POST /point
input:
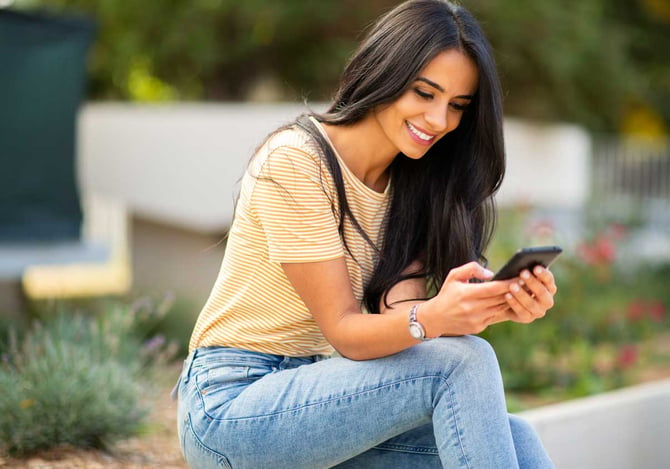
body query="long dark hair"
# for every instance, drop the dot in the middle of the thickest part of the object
(442, 211)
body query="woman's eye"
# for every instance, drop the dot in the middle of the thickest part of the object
(459, 107)
(423, 94)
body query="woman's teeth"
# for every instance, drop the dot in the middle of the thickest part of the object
(418, 133)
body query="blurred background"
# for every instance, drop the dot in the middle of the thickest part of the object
(601, 64)
(167, 100)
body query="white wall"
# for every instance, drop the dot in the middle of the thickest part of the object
(179, 164)
(624, 429)
(176, 164)
(547, 165)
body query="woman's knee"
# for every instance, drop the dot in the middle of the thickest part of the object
(477, 348)
(467, 349)
(469, 355)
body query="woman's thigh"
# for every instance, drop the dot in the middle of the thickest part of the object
(319, 414)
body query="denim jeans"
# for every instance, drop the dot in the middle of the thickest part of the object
(437, 404)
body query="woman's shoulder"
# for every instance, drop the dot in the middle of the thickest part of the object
(290, 144)
(292, 137)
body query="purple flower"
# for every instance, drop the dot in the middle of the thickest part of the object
(153, 344)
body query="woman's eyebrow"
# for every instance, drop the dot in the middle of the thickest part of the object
(439, 88)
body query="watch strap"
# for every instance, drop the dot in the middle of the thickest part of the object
(414, 324)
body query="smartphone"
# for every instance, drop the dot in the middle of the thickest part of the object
(527, 258)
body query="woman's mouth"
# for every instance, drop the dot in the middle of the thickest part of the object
(418, 135)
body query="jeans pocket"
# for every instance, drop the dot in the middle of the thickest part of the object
(197, 454)
(219, 384)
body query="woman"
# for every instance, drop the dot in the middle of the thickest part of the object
(383, 203)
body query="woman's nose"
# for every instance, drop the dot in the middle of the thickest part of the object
(437, 118)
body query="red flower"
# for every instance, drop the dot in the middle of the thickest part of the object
(601, 252)
(587, 253)
(628, 355)
(617, 231)
(657, 311)
(543, 228)
(605, 250)
(636, 310)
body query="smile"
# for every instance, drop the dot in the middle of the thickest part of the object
(421, 136)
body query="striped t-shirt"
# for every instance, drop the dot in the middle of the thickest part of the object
(287, 212)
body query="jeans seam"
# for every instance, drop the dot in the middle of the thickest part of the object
(454, 409)
(407, 449)
(322, 402)
(222, 460)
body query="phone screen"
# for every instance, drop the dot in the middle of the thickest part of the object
(527, 258)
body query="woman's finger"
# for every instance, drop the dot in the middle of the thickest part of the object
(546, 277)
(537, 290)
(526, 308)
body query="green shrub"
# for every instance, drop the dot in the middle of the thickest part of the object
(605, 315)
(77, 379)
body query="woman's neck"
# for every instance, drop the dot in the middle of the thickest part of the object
(365, 150)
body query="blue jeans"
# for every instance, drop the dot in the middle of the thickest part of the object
(438, 404)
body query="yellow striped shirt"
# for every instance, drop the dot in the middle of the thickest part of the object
(287, 212)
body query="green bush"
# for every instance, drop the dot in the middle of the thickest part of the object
(77, 379)
(603, 322)
(551, 55)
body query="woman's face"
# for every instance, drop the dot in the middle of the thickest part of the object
(432, 106)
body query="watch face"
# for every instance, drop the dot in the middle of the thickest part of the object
(416, 331)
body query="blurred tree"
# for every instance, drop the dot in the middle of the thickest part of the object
(647, 25)
(593, 62)
(575, 60)
(219, 49)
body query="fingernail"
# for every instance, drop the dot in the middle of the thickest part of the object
(538, 270)
(514, 287)
(525, 274)
(508, 296)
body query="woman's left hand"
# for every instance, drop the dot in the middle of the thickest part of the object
(531, 295)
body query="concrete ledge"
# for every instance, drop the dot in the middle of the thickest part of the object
(176, 164)
(624, 429)
(106, 223)
(179, 164)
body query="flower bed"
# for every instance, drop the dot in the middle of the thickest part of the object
(609, 322)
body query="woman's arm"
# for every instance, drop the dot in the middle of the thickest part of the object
(460, 308)
(466, 308)
(326, 290)
(405, 291)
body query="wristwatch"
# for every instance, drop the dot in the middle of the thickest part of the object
(416, 330)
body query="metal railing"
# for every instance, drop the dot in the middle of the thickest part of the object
(631, 180)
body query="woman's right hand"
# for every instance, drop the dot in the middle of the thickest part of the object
(462, 307)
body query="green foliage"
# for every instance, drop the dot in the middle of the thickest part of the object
(604, 317)
(78, 379)
(575, 60)
(218, 49)
(591, 62)
(177, 325)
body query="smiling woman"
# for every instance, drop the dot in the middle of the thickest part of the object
(430, 109)
(368, 207)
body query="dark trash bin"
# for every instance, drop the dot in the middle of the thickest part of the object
(42, 77)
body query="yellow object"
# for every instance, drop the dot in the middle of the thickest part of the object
(104, 221)
(659, 9)
(642, 121)
(77, 280)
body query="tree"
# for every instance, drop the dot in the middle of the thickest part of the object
(592, 62)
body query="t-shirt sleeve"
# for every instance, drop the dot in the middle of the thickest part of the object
(294, 208)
